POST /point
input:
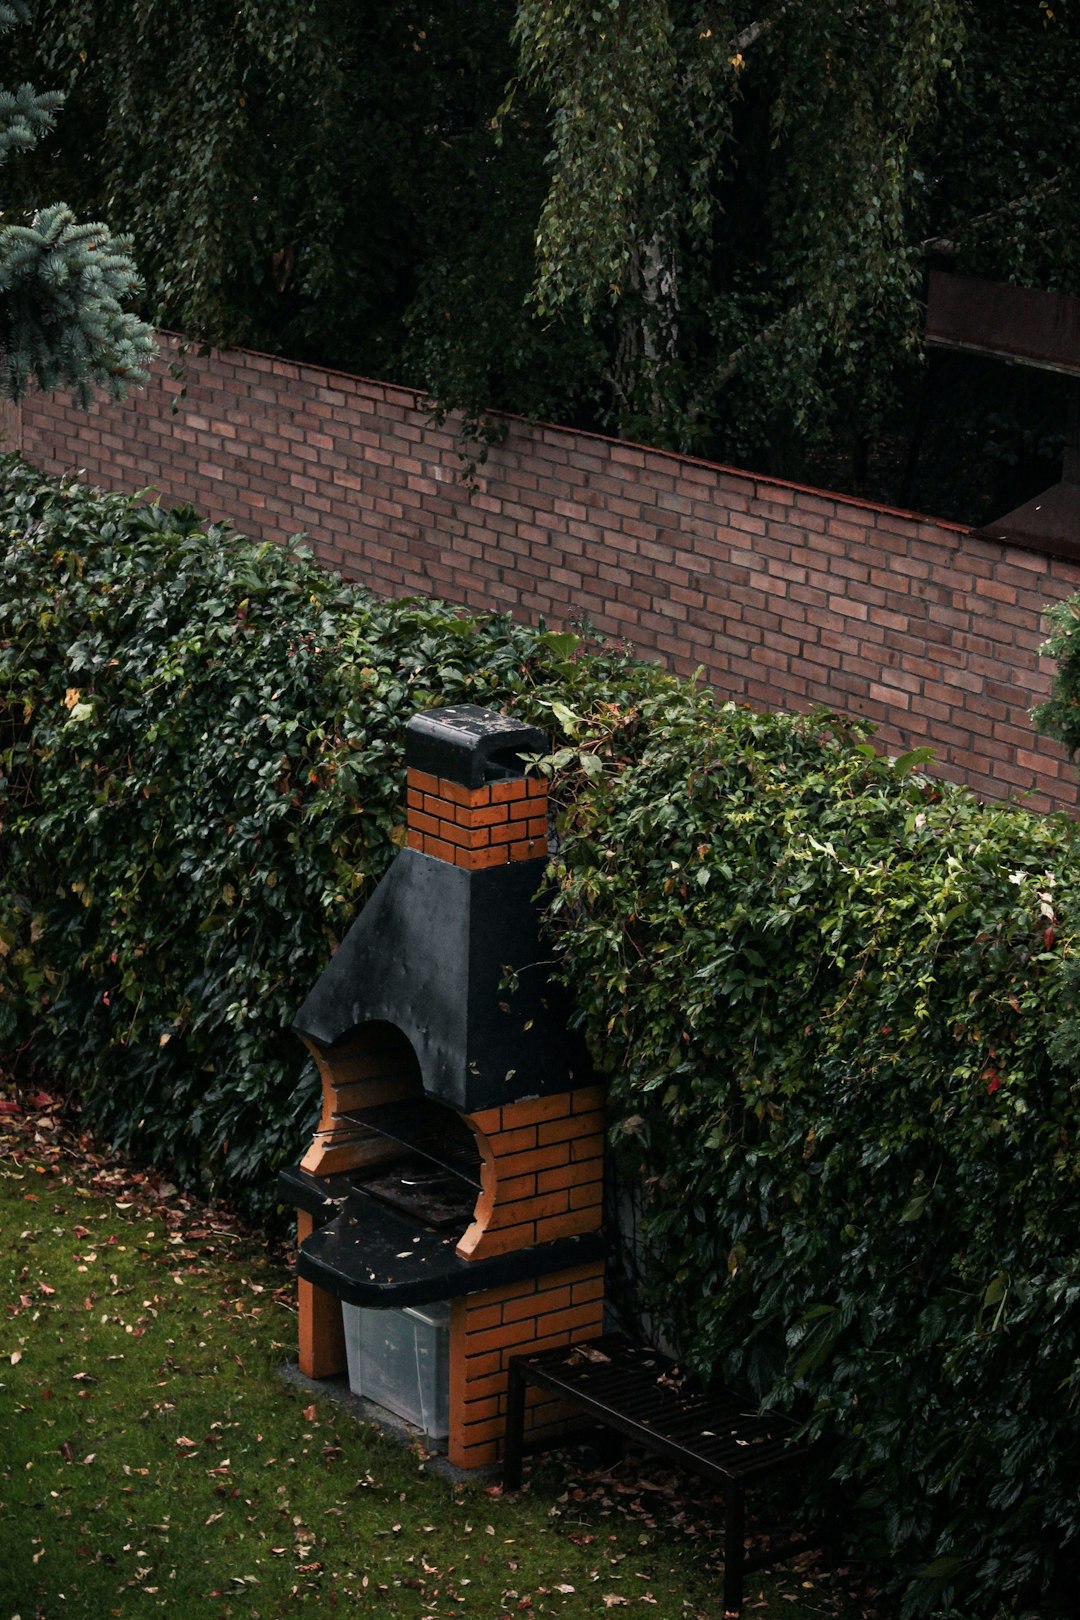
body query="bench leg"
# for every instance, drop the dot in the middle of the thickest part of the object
(734, 1550)
(515, 1428)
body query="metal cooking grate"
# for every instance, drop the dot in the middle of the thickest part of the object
(414, 1186)
(424, 1127)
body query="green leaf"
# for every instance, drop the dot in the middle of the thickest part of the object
(995, 1289)
(945, 1568)
(569, 721)
(912, 760)
(562, 643)
(914, 1206)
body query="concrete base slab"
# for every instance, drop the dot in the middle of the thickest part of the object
(389, 1424)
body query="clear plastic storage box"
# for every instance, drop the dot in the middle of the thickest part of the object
(400, 1359)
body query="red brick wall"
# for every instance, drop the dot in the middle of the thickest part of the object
(786, 596)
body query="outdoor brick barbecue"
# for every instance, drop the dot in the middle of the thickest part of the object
(459, 1156)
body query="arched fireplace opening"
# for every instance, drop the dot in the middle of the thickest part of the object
(399, 1144)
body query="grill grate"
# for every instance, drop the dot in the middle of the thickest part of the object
(436, 1133)
(416, 1187)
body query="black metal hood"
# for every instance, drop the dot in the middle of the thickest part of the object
(451, 957)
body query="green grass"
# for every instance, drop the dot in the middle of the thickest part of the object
(151, 1457)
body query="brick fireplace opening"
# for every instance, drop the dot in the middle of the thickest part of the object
(441, 1043)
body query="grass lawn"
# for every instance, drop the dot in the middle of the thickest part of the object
(151, 1457)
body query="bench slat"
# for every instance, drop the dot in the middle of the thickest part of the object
(639, 1393)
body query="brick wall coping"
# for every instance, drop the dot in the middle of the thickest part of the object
(416, 399)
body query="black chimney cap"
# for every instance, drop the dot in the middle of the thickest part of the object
(468, 745)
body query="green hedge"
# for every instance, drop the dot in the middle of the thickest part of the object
(1059, 716)
(839, 1007)
(202, 779)
(837, 1002)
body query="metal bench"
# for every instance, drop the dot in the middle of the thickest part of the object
(640, 1394)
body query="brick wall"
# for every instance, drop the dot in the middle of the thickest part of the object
(787, 597)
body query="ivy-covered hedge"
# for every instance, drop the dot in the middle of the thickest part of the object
(839, 1007)
(1059, 716)
(837, 1002)
(201, 780)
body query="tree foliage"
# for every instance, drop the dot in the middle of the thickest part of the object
(652, 107)
(63, 285)
(343, 196)
(703, 225)
(751, 194)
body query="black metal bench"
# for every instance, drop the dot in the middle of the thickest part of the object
(638, 1392)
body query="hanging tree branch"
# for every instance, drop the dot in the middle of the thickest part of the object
(950, 244)
(754, 31)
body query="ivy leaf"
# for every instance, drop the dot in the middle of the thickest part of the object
(912, 760)
(914, 1207)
